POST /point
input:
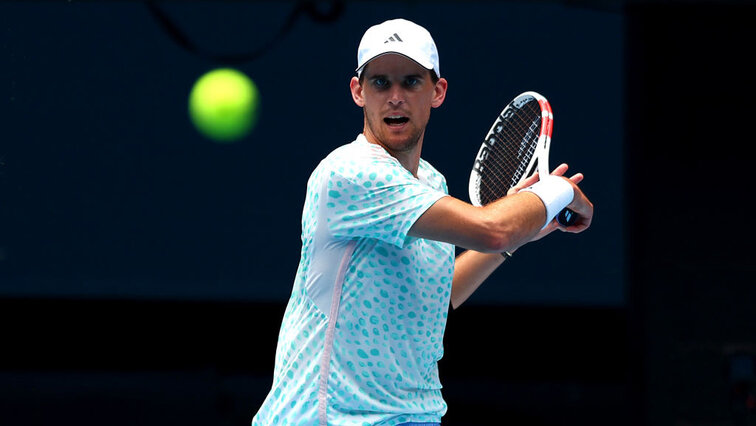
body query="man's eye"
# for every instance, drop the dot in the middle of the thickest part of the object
(411, 82)
(380, 82)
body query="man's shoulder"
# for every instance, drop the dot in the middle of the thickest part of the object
(355, 158)
(431, 175)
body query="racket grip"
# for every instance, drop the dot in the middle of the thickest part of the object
(566, 217)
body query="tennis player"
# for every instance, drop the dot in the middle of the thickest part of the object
(362, 332)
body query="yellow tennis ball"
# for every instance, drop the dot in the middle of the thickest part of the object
(223, 104)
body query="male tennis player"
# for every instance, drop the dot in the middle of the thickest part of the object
(363, 330)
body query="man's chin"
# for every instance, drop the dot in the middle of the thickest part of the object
(394, 138)
(401, 141)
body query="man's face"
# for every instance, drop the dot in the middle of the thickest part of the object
(397, 95)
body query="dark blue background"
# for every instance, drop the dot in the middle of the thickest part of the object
(144, 270)
(109, 192)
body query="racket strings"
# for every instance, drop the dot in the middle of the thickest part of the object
(512, 144)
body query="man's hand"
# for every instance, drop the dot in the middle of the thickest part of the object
(584, 212)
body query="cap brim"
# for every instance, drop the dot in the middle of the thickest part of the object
(428, 67)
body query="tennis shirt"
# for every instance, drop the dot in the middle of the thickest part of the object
(363, 329)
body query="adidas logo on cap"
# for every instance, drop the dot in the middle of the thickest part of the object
(394, 37)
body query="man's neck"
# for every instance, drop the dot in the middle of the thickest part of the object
(410, 158)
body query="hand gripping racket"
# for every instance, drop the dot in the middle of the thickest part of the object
(516, 145)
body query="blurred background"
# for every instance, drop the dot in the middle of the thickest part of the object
(144, 267)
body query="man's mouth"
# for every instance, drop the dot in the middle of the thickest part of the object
(395, 120)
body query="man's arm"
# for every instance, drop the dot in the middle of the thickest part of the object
(500, 226)
(471, 268)
(504, 225)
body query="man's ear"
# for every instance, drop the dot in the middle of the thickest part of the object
(439, 92)
(356, 88)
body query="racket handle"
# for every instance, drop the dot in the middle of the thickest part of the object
(566, 217)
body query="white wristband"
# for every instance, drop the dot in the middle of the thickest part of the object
(555, 192)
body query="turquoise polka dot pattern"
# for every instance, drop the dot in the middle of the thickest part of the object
(361, 345)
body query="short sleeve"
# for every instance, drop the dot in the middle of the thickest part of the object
(381, 203)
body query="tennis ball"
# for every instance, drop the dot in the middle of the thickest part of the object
(223, 104)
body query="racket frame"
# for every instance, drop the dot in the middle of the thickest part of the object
(566, 217)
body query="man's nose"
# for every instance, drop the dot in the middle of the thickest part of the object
(396, 95)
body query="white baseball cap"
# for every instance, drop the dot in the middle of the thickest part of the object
(398, 36)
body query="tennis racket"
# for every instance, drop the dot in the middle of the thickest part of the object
(515, 147)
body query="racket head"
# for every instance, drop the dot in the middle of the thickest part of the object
(510, 151)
